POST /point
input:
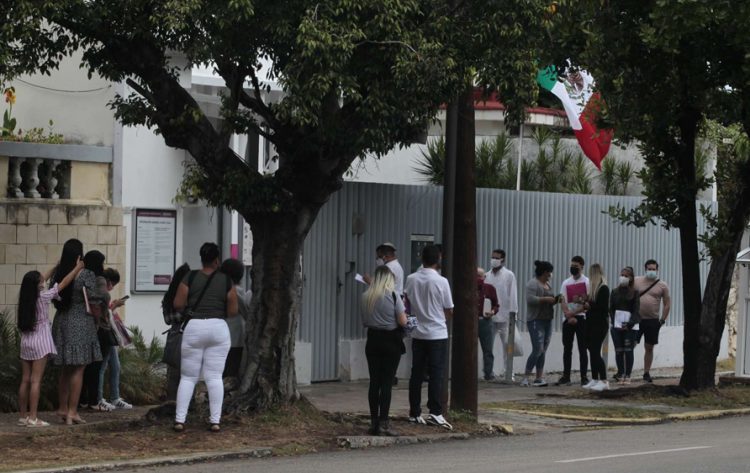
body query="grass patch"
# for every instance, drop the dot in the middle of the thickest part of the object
(608, 412)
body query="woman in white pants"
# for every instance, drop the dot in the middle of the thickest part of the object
(207, 297)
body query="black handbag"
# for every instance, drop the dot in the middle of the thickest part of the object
(107, 338)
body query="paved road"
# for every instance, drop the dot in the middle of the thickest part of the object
(714, 446)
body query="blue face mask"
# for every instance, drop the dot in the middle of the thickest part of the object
(651, 274)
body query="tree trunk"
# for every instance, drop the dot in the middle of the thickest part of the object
(714, 312)
(268, 376)
(464, 361)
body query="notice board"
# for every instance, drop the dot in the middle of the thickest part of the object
(155, 237)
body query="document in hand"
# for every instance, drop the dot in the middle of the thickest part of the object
(575, 293)
(622, 317)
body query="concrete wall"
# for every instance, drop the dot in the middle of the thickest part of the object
(77, 105)
(32, 235)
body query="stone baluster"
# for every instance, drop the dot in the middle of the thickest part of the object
(49, 180)
(14, 178)
(31, 178)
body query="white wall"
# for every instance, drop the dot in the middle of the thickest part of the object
(79, 116)
(151, 174)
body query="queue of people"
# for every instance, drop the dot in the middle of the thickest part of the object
(79, 338)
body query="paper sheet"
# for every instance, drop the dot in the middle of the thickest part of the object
(358, 277)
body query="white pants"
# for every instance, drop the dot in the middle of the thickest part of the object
(205, 345)
(502, 329)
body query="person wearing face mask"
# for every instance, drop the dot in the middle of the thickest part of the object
(624, 313)
(485, 330)
(654, 294)
(504, 282)
(574, 291)
(386, 255)
(540, 309)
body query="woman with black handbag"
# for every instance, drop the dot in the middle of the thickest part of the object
(210, 298)
(384, 316)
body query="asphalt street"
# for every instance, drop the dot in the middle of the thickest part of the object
(715, 446)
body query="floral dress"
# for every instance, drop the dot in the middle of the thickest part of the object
(73, 330)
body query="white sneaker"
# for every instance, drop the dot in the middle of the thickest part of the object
(539, 383)
(120, 403)
(600, 386)
(439, 421)
(418, 420)
(525, 383)
(103, 406)
(590, 384)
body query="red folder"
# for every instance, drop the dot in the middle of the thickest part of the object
(576, 293)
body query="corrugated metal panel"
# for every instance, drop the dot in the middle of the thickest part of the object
(528, 225)
(319, 311)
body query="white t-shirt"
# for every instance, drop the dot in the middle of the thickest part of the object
(429, 295)
(577, 308)
(504, 282)
(398, 274)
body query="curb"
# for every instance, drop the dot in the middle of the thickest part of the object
(691, 415)
(365, 441)
(257, 452)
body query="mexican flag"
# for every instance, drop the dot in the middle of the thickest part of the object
(582, 106)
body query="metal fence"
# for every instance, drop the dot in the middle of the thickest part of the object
(527, 225)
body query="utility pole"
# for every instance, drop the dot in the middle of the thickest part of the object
(464, 263)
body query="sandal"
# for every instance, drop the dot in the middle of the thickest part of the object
(178, 427)
(74, 420)
(215, 428)
(37, 423)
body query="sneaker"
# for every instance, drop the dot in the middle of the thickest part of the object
(103, 406)
(84, 406)
(647, 378)
(439, 420)
(617, 377)
(22, 421)
(489, 377)
(374, 430)
(626, 380)
(525, 383)
(600, 386)
(37, 423)
(418, 420)
(584, 381)
(540, 383)
(564, 381)
(387, 430)
(590, 384)
(120, 403)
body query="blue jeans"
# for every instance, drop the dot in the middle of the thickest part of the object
(111, 359)
(486, 332)
(540, 332)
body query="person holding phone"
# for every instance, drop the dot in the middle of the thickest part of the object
(111, 357)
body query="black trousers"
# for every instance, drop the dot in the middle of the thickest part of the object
(570, 331)
(594, 335)
(90, 386)
(431, 354)
(383, 352)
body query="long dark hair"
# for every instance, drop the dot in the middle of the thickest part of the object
(167, 301)
(27, 298)
(94, 261)
(72, 250)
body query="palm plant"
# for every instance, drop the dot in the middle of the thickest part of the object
(608, 176)
(580, 176)
(432, 164)
(140, 382)
(625, 174)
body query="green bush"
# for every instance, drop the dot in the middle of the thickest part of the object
(140, 380)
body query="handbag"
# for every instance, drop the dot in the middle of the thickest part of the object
(119, 330)
(173, 347)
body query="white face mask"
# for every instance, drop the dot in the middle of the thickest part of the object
(379, 262)
(496, 263)
(624, 280)
(651, 274)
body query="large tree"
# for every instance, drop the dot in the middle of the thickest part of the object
(663, 67)
(358, 77)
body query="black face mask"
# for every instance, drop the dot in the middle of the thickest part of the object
(574, 270)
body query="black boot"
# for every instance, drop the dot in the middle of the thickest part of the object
(374, 427)
(385, 429)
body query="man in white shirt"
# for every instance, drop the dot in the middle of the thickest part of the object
(504, 282)
(430, 300)
(575, 320)
(386, 255)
